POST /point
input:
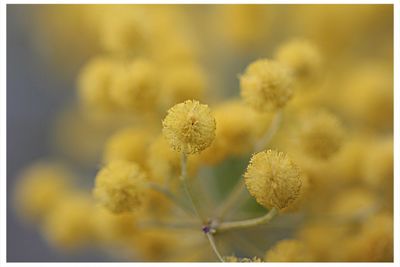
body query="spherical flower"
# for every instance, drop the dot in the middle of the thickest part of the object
(266, 85)
(273, 179)
(70, 224)
(120, 186)
(321, 134)
(135, 86)
(40, 187)
(302, 57)
(127, 144)
(290, 250)
(182, 81)
(189, 127)
(94, 84)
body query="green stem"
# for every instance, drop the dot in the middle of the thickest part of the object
(186, 188)
(231, 200)
(225, 226)
(276, 122)
(214, 246)
(171, 196)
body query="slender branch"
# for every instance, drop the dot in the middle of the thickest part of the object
(214, 246)
(247, 223)
(186, 188)
(231, 200)
(171, 196)
(276, 122)
(181, 225)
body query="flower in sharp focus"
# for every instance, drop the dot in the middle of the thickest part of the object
(273, 179)
(189, 127)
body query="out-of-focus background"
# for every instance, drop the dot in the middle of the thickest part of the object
(48, 45)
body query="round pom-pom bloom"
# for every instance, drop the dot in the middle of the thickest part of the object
(70, 224)
(290, 250)
(266, 85)
(41, 187)
(135, 86)
(120, 186)
(321, 134)
(273, 179)
(94, 84)
(302, 57)
(189, 127)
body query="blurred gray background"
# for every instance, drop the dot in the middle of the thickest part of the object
(35, 93)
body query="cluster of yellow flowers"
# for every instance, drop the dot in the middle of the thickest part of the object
(312, 123)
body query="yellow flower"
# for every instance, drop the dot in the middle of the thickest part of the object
(302, 57)
(290, 250)
(273, 179)
(120, 186)
(189, 127)
(40, 187)
(266, 85)
(69, 225)
(135, 86)
(129, 144)
(239, 127)
(236, 259)
(321, 134)
(94, 84)
(181, 82)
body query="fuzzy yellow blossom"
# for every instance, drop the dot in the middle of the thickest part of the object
(322, 238)
(69, 225)
(321, 134)
(374, 242)
(135, 86)
(273, 179)
(239, 127)
(372, 86)
(114, 228)
(236, 259)
(127, 144)
(180, 82)
(302, 57)
(40, 187)
(124, 32)
(290, 250)
(94, 83)
(266, 85)
(354, 203)
(120, 186)
(189, 127)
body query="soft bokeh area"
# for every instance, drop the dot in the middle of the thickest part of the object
(292, 116)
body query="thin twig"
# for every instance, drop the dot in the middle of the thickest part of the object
(247, 223)
(171, 196)
(186, 188)
(231, 200)
(276, 122)
(214, 246)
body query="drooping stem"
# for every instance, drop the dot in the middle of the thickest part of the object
(225, 226)
(186, 188)
(214, 246)
(266, 138)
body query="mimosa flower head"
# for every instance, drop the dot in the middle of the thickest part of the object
(273, 179)
(120, 186)
(321, 134)
(266, 85)
(302, 57)
(189, 127)
(289, 250)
